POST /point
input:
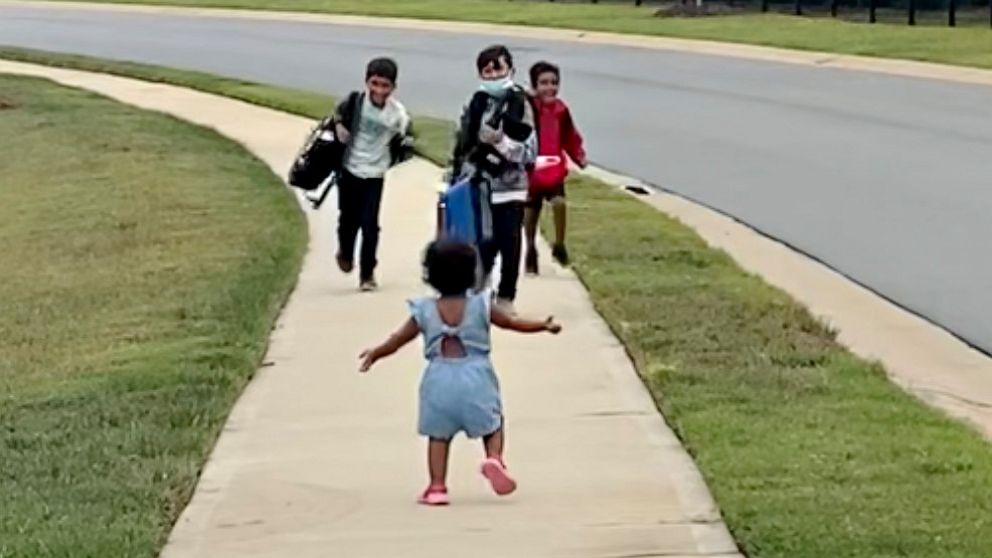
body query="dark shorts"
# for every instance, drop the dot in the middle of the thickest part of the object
(537, 199)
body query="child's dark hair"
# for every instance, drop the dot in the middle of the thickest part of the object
(449, 267)
(493, 55)
(382, 67)
(543, 67)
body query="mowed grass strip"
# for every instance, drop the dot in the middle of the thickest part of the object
(434, 135)
(965, 46)
(144, 260)
(810, 451)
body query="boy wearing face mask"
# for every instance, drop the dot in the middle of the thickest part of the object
(495, 143)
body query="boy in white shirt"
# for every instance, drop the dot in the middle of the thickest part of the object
(376, 128)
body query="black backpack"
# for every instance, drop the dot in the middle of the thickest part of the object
(322, 153)
(508, 115)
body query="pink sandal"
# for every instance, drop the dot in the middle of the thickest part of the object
(434, 496)
(495, 471)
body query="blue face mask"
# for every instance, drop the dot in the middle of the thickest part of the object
(497, 87)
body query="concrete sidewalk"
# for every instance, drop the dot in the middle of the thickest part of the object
(317, 460)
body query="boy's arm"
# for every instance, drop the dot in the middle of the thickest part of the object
(406, 333)
(343, 116)
(573, 141)
(502, 320)
(340, 110)
(461, 144)
(402, 145)
(520, 152)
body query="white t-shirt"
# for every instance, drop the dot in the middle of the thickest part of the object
(368, 155)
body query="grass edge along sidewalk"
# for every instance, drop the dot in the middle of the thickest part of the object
(809, 451)
(962, 46)
(128, 329)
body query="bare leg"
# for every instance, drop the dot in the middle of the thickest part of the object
(559, 252)
(437, 460)
(493, 444)
(560, 209)
(531, 216)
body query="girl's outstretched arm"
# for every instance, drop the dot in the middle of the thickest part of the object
(406, 333)
(503, 320)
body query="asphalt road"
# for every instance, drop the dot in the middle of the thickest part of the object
(886, 179)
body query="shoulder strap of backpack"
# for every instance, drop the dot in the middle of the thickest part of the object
(345, 111)
(355, 101)
(536, 112)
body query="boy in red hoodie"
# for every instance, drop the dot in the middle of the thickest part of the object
(557, 137)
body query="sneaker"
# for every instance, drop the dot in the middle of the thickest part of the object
(530, 262)
(495, 472)
(434, 496)
(368, 285)
(560, 254)
(344, 265)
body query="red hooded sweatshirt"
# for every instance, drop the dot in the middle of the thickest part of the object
(556, 131)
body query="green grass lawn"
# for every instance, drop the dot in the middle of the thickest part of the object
(810, 451)
(967, 46)
(144, 260)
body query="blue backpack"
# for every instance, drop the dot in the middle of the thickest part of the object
(460, 214)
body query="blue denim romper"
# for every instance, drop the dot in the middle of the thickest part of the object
(457, 394)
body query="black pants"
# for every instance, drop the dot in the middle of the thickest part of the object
(358, 201)
(507, 222)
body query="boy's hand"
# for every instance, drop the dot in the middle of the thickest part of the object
(551, 326)
(343, 135)
(368, 358)
(490, 135)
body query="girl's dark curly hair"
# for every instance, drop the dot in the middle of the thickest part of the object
(449, 267)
